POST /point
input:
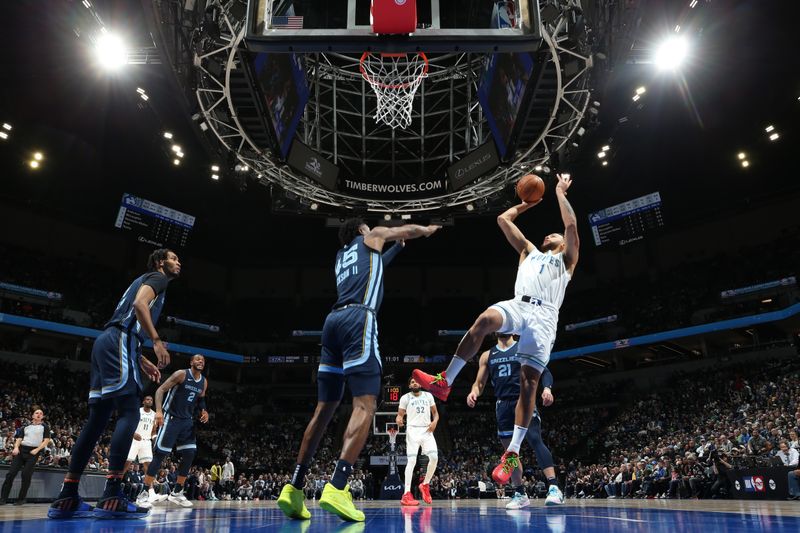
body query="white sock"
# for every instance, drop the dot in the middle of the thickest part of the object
(455, 366)
(433, 460)
(516, 440)
(412, 462)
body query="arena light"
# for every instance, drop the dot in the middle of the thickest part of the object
(314, 206)
(641, 90)
(215, 168)
(745, 163)
(140, 90)
(176, 148)
(215, 176)
(774, 136)
(470, 207)
(405, 217)
(538, 168)
(111, 51)
(766, 301)
(605, 163)
(636, 97)
(742, 155)
(145, 97)
(34, 164)
(671, 53)
(38, 156)
(167, 135)
(601, 155)
(606, 148)
(387, 216)
(6, 126)
(769, 128)
(3, 135)
(176, 162)
(693, 4)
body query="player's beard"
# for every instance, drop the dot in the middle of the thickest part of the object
(415, 390)
(549, 247)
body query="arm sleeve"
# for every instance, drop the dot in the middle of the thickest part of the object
(157, 281)
(404, 402)
(389, 255)
(547, 379)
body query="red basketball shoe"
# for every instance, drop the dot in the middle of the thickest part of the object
(425, 490)
(408, 499)
(436, 385)
(502, 472)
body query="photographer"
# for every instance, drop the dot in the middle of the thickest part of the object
(721, 468)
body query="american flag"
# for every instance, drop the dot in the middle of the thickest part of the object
(287, 23)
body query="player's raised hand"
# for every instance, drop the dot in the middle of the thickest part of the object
(472, 399)
(150, 370)
(564, 181)
(160, 348)
(203, 416)
(430, 230)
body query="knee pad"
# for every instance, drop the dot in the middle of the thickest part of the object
(187, 457)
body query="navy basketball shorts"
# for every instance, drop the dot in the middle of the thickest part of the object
(115, 365)
(176, 433)
(505, 411)
(349, 354)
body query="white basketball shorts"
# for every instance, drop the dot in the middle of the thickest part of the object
(536, 324)
(418, 437)
(141, 449)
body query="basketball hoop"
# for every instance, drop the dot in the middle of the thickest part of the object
(395, 79)
(392, 435)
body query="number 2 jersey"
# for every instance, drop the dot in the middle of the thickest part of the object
(182, 398)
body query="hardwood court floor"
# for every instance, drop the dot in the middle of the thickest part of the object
(461, 516)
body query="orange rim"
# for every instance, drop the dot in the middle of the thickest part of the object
(372, 82)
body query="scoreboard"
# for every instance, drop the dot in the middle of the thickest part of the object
(627, 222)
(392, 394)
(154, 223)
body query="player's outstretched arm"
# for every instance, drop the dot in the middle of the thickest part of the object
(380, 235)
(513, 234)
(570, 222)
(480, 379)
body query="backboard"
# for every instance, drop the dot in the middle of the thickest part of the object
(345, 26)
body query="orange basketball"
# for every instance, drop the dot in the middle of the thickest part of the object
(530, 188)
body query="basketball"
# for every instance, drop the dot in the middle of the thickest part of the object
(530, 188)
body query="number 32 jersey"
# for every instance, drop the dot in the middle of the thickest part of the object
(418, 408)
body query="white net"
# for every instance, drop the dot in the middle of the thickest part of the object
(395, 79)
(392, 435)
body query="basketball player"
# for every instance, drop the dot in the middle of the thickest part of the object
(141, 447)
(420, 407)
(349, 354)
(117, 386)
(501, 366)
(542, 278)
(185, 390)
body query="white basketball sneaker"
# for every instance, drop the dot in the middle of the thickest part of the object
(179, 498)
(554, 496)
(518, 501)
(143, 500)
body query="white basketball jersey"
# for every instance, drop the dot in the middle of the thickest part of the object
(147, 420)
(418, 408)
(543, 276)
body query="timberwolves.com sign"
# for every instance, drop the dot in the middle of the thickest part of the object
(394, 188)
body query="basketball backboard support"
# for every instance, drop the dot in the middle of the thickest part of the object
(344, 26)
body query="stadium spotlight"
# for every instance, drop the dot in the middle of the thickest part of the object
(636, 97)
(6, 126)
(742, 155)
(179, 154)
(140, 90)
(606, 148)
(538, 168)
(167, 135)
(38, 156)
(745, 163)
(111, 52)
(470, 207)
(176, 148)
(605, 163)
(601, 155)
(3, 135)
(641, 90)
(214, 176)
(774, 136)
(33, 163)
(671, 53)
(314, 206)
(215, 168)
(387, 216)
(769, 128)
(176, 162)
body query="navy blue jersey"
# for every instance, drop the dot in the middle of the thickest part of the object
(182, 398)
(359, 275)
(504, 372)
(125, 317)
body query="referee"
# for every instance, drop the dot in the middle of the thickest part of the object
(29, 441)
